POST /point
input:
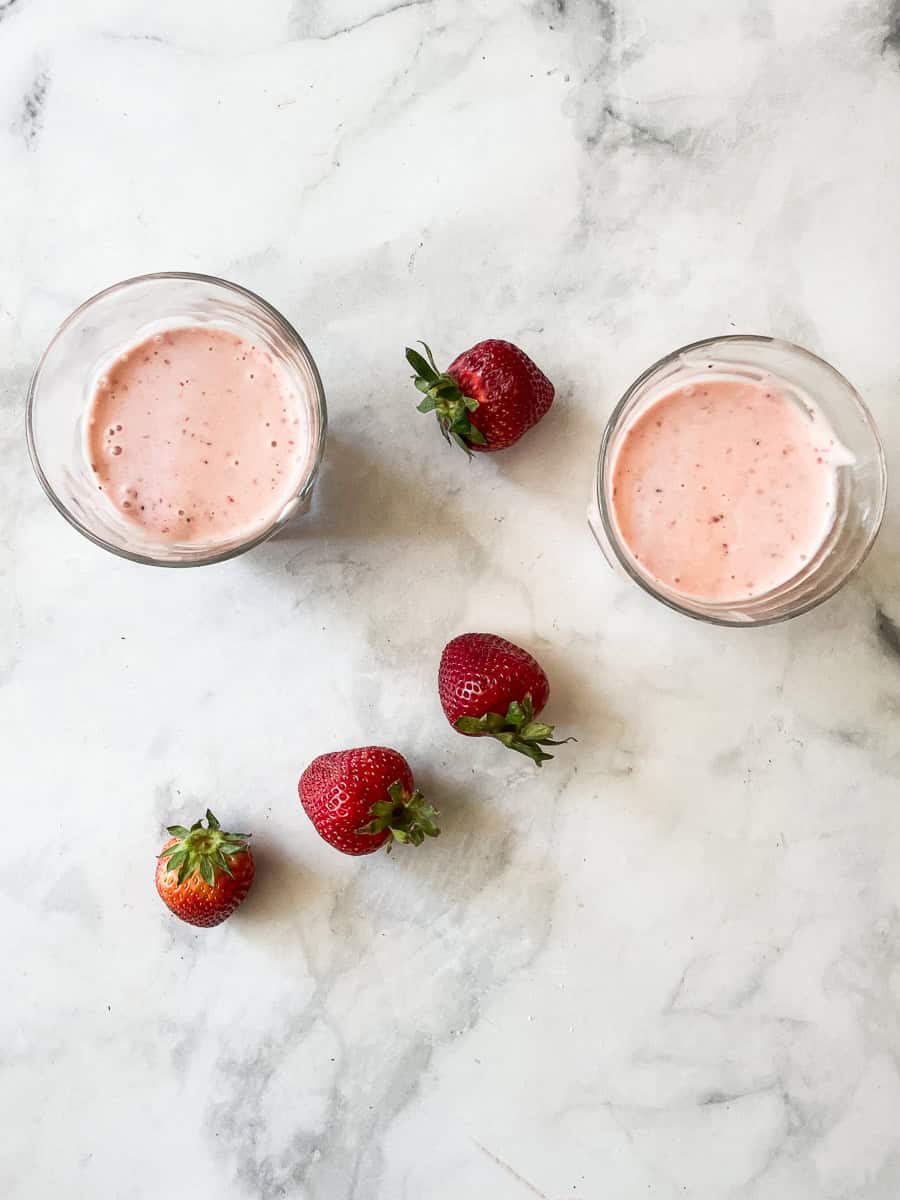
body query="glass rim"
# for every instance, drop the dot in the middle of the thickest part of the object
(646, 585)
(216, 556)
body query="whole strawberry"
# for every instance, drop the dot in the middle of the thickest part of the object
(358, 800)
(202, 874)
(487, 398)
(490, 687)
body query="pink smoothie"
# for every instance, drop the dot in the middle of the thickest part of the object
(724, 489)
(197, 436)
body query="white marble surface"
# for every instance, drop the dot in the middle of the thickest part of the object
(669, 965)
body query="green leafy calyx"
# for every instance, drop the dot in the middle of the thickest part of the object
(443, 396)
(517, 730)
(408, 818)
(204, 850)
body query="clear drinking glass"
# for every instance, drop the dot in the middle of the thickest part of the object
(102, 328)
(861, 482)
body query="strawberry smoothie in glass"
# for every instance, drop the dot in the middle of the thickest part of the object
(177, 419)
(195, 435)
(741, 480)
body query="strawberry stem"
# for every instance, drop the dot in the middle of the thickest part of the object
(516, 730)
(204, 850)
(408, 818)
(443, 396)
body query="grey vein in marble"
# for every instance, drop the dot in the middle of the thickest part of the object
(892, 37)
(888, 632)
(31, 119)
(307, 23)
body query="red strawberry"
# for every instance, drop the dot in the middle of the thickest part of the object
(487, 398)
(490, 687)
(204, 874)
(360, 799)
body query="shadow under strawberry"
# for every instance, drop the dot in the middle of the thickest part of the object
(363, 495)
(284, 885)
(577, 702)
(561, 456)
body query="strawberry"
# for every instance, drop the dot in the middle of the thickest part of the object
(202, 874)
(487, 398)
(360, 799)
(490, 687)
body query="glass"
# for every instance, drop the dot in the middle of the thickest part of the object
(102, 328)
(861, 483)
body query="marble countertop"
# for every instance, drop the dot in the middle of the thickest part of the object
(666, 966)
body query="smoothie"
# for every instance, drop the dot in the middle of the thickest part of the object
(724, 489)
(196, 435)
